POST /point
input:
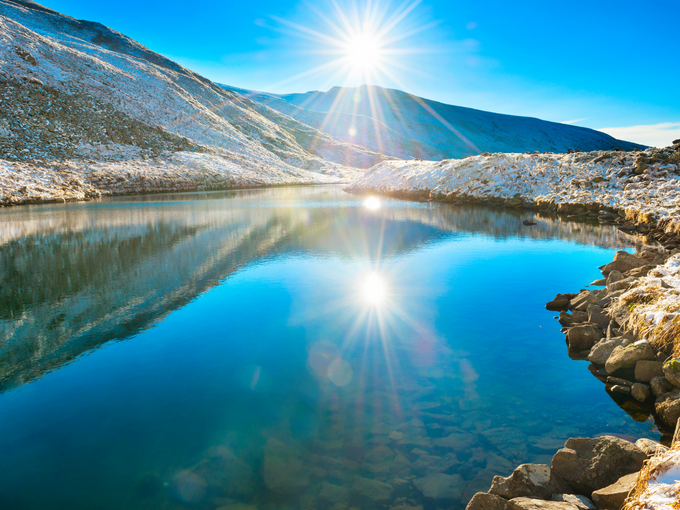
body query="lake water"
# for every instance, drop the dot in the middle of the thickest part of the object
(292, 348)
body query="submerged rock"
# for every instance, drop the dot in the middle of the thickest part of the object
(372, 489)
(530, 480)
(591, 464)
(441, 486)
(284, 471)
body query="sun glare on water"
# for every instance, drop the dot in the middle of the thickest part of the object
(374, 289)
(372, 203)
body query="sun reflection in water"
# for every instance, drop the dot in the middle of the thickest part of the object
(374, 289)
(372, 203)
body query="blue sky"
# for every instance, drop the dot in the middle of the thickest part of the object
(600, 64)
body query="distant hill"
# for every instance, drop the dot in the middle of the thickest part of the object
(402, 125)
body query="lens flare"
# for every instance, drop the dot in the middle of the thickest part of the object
(363, 52)
(372, 203)
(374, 289)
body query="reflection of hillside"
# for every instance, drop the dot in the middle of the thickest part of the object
(75, 277)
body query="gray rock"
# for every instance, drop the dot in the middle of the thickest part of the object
(619, 312)
(601, 351)
(646, 370)
(539, 504)
(671, 370)
(660, 385)
(441, 486)
(284, 471)
(529, 480)
(650, 447)
(623, 262)
(640, 392)
(668, 407)
(628, 356)
(591, 464)
(372, 489)
(597, 316)
(624, 284)
(484, 501)
(611, 296)
(613, 496)
(582, 300)
(579, 501)
(613, 277)
(583, 337)
(561, 302)
(599, 283)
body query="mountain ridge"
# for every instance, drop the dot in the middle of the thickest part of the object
(428, 129)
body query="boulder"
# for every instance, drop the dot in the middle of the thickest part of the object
(582, 300)
(529, 480)
(668, 407)
(624, 284)
(583, 337)
(671, 370)
(623, 261)
(539, 504)
(580, 501)
(565, 319)
(650, 447)
(628, 356)
(561, 302)
(646, 370)
(613, 277)
(640, 392)
(613, 496)
(484, 501)
(441, 486)
(601, 351)
(589, 464)
(372, 489)
(284, 472)
(660, 385)
(597, 316)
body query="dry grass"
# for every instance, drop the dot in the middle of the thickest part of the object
(649, 493)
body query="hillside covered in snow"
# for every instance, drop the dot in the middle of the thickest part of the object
(85, 109)
(405, 126)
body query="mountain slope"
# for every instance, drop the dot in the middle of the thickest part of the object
(406, 126)
(87, 99)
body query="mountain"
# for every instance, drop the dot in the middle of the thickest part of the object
(405, 126)
(80, 98)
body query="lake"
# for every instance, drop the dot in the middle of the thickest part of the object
(289, 348)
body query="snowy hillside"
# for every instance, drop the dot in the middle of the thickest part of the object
(77, 98)
(405, 126)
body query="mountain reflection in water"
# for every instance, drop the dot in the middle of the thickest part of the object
(349, 361)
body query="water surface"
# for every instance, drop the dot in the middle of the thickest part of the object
(288, 348)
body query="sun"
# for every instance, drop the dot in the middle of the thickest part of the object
(363, 52)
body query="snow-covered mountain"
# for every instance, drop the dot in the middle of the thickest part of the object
(100, 106)
(402, 125)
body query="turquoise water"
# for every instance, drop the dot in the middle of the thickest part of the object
(289, 348)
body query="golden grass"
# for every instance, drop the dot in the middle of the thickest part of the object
(641, 497)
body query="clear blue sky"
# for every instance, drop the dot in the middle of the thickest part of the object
(602, 64)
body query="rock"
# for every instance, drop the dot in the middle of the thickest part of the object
(624, 284)
(623, 261)
(676, 434)
(561, 302)
(579, 501)
(650, 447)
(613, 277)
(565, 319)
(529, 480)
(458, 441)
(660, 385)
(590, 464)
(539, 504)
(372, 489)
(640, 392)
(597, 316)
(441, 486)
(671, 370)
(528, 223)
(646, 370)
(613, 496)
(599, 283)
(582, 300)
(484, 501)
(628, 356)
(603, 349)
(583, 337)
(284, 471)
(395, 436)
(668, 407)
(333, 493)
(379, 455)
